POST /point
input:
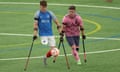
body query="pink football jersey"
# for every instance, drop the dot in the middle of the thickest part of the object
(72, 25)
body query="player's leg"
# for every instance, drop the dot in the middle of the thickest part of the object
(76, 39)
(44, 41)
(52, 44)
(71, 42)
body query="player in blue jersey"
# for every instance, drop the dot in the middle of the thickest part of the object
(43, 26)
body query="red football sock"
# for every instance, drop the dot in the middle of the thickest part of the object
(48, 54)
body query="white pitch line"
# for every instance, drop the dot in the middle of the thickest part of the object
(57, 4)
(95, 52)
(91, 6)
(13, 34)
(101, 38)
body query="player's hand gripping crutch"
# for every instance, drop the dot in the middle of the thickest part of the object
(27, 61)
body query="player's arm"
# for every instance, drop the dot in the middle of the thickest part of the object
(62, 30)
(82, 32)
(56, 21)
(64, 22)
(35, 25)
(35, 28)
(81, 27)
(58, 25)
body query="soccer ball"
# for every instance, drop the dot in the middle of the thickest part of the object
(55, 52)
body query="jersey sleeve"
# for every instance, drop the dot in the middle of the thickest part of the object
(80, 21)
(36, 16)
(52, 15)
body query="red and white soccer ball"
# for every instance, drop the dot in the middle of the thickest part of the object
(55, 52)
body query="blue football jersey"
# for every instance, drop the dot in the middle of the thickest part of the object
(45, 22)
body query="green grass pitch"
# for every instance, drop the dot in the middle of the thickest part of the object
(102, 27)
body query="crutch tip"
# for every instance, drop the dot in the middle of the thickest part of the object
(53, 61)
(85, 61)
(68, 67)
(24, 69)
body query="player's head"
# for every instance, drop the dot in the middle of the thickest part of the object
(43, 5)
(72, 11)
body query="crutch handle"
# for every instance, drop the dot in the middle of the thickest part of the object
(61, 39)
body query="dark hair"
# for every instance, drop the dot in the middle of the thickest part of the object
(43, 3)
(72, 7)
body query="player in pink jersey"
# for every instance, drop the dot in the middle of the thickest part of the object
(72, 25)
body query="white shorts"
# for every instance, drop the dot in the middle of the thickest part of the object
(50, 40)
